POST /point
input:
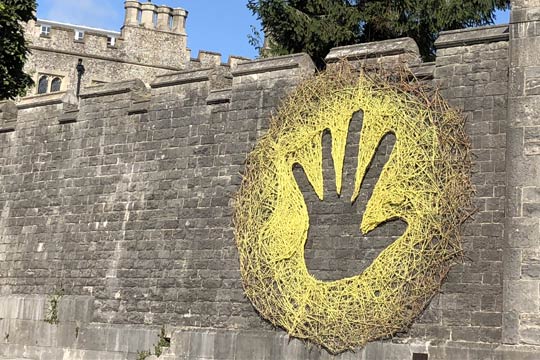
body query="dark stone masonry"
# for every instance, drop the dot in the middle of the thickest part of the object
(119, 205)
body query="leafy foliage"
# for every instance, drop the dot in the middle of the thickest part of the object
(13, 48)
(315, 26)
(52, 316)
(142, 355)
(164, 342)
(312, 26)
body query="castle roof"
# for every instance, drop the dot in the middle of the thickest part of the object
(77, 27)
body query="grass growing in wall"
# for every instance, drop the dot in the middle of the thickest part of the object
(52, 310)
(142, 355)
(163, 342)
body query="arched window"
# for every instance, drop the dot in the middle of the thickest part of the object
(43, 85)
(56, 84)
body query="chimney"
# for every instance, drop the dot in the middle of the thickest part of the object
(132, 11)
(147, 18)
(164, 13)
(179, 20)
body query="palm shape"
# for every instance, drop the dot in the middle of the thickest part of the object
(336, 248)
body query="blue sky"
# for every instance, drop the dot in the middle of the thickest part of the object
(215, 25)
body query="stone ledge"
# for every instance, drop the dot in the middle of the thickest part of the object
(234, 61)
(8, 116)
(41, 100)
(76, 334)
(294, 61)
(183, 77)
(209, 58)
(373, 50)
(219, 97)
(478, 35)
(113, 88)
(69, 116)
(424, 71)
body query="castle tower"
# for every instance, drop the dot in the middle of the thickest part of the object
(156, 34)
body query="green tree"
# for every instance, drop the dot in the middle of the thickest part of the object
(315, 26)
(312, 26)
(13, 47)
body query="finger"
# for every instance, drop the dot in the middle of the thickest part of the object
(329, 178)
(374, 170)
(309, 159)
(351, 153)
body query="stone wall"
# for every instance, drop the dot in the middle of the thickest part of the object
(121, 203)
(522, 235)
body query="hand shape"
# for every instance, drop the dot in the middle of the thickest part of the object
(336, 248)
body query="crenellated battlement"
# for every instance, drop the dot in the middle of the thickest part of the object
(62, 37)
(154, 17)
(152, 41)
(221, 77)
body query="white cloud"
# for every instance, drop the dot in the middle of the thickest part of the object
(107, 14)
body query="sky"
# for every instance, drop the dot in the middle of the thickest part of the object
(215, 25)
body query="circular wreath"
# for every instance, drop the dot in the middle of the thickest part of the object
(424, 183)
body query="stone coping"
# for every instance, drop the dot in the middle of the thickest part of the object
(424, 71)
(41, 100)
(112, 88)
(373, 50)
(220, 96)
(287, 62)
(471, 36)
(183, 77)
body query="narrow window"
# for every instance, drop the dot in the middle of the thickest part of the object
(56, 84)
(111, 41)
(45, 30)
(171, 21)
(154, 18)
(43, 85)
(79, 35)
(139, 16)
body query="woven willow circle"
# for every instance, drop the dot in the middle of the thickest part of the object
(425, 183)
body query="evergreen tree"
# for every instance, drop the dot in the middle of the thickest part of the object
(422, 20)
(312, 26)
(315, 26)
(13, 49)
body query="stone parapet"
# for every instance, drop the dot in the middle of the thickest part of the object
(282, 63)
(403, 50)
(471, 36)
(113, 88)
(8, 116)
(221, 96)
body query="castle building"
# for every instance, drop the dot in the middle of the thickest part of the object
(152, 42)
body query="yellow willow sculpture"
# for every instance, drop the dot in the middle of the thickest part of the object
(425, 183)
